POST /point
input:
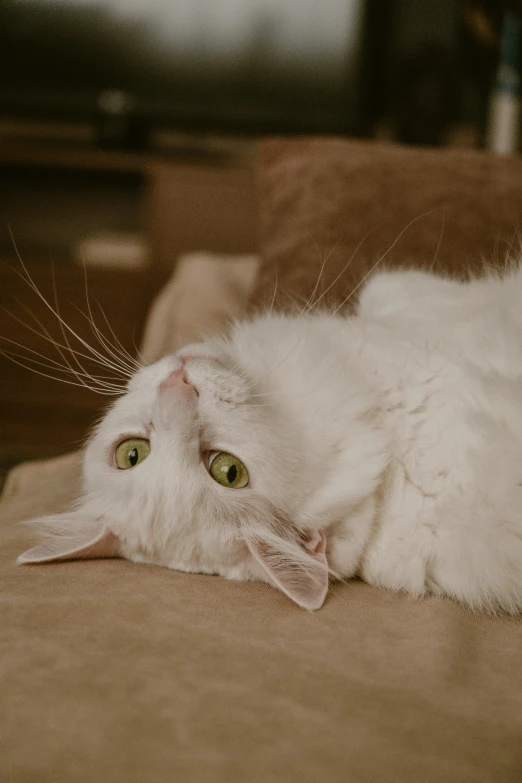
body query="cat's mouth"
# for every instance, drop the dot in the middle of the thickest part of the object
(188, 359)
(191, 357)
(203, 371)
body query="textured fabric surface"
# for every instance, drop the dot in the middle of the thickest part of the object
(204, 293)
(121, 672)
(347, 206)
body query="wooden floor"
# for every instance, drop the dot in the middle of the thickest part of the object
(40, 417)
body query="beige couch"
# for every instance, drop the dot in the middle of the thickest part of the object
(113, 671)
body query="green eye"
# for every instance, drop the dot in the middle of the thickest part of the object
(130, 452)
(228, 471)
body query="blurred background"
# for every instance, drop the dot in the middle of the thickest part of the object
(128, 130)
(121, 73)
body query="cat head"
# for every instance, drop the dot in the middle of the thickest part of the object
(187, 471)
(193, 470)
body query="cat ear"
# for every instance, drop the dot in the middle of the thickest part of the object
(71, 536)
(299, 568)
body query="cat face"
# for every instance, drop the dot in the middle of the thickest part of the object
(192, 470)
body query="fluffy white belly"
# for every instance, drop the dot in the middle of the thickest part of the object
(453, 426)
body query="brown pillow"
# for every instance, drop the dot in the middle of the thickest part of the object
(354, 203)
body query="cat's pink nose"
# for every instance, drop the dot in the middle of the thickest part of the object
(177, 380)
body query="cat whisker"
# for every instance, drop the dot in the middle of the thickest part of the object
(99, 381)
(131, 362)
(127, 360)
(381, 259)
(271, 308)
(350, 260)
(307, 309)
(104, 391)
(510, 259)
(310, 303)
(45, 335)
(142, 361)
(115, 358)
(116, 362)
(440, 238)
(346, 266)
(116, 367)
(63, 325)
(267, 394)
(57, 311)
(52, 363)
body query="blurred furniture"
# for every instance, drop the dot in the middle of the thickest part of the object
(189, 201)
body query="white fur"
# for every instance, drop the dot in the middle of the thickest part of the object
(397, 433)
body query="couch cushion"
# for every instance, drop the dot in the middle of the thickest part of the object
(358, 204)
(113, 671)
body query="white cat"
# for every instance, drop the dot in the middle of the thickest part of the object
(386, 445)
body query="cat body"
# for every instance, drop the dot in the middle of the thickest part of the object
(386, 444)
(450, 516)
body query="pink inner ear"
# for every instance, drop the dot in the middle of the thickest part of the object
(58, 549)
(303, 576)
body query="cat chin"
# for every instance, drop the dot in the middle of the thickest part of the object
(244, 572)
(249, 571)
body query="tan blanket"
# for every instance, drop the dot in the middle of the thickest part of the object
(113, 671)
